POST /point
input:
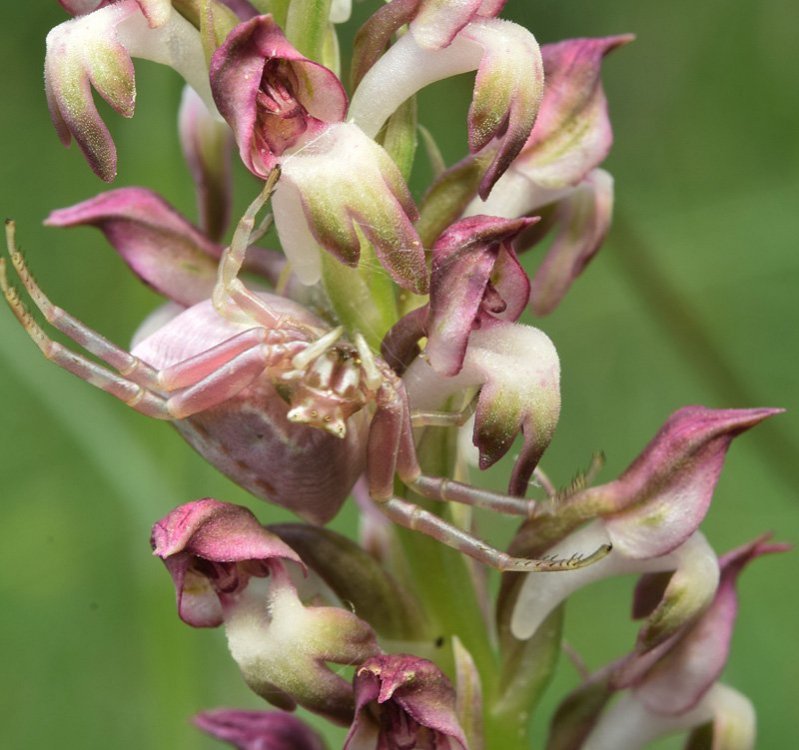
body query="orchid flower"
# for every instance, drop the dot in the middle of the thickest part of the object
(403, 701)
(96, 50)
(673, 688)
(286, 109)
(651, 515)
(229, 570)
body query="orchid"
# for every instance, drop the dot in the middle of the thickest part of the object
(341, 338)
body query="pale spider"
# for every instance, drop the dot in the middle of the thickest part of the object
(275, 400)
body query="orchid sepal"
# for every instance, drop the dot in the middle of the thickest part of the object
(271, 95)
(213, 550)
(161, 247)
(581, 222)
(475, 280)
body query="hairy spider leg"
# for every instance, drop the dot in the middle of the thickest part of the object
(391, 437)
(178, 391)
(122, 361)
(230, 297)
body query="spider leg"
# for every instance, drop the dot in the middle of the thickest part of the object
(413, 517)
(133, 394)
(123, 362)
(230, 296)
(178, 391)
(391, 451)
(444, 418)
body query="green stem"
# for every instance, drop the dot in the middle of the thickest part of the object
(306, 26)
(442, 577)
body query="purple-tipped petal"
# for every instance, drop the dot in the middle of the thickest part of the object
(682, 677)
(572, 134)
(259, 730)
(207, 147)
(507, 93)
(582, 220)
(96, 51)
(339, 191)
(520, 371)
(475, 276)
(507, 90)
(272, 97)
(160, 246)
(665, 493)
(212, 549)
(402, 700)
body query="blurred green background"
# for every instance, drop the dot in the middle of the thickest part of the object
(692, 300)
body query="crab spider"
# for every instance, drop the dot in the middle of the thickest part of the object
(283, 405)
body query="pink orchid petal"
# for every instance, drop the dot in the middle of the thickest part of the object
(465, 257)
(582, 219)
(665, 493)
(159, 245)
(255, 54)
(682, 677)
(572, 134)
(200, 542)
(259, 730)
